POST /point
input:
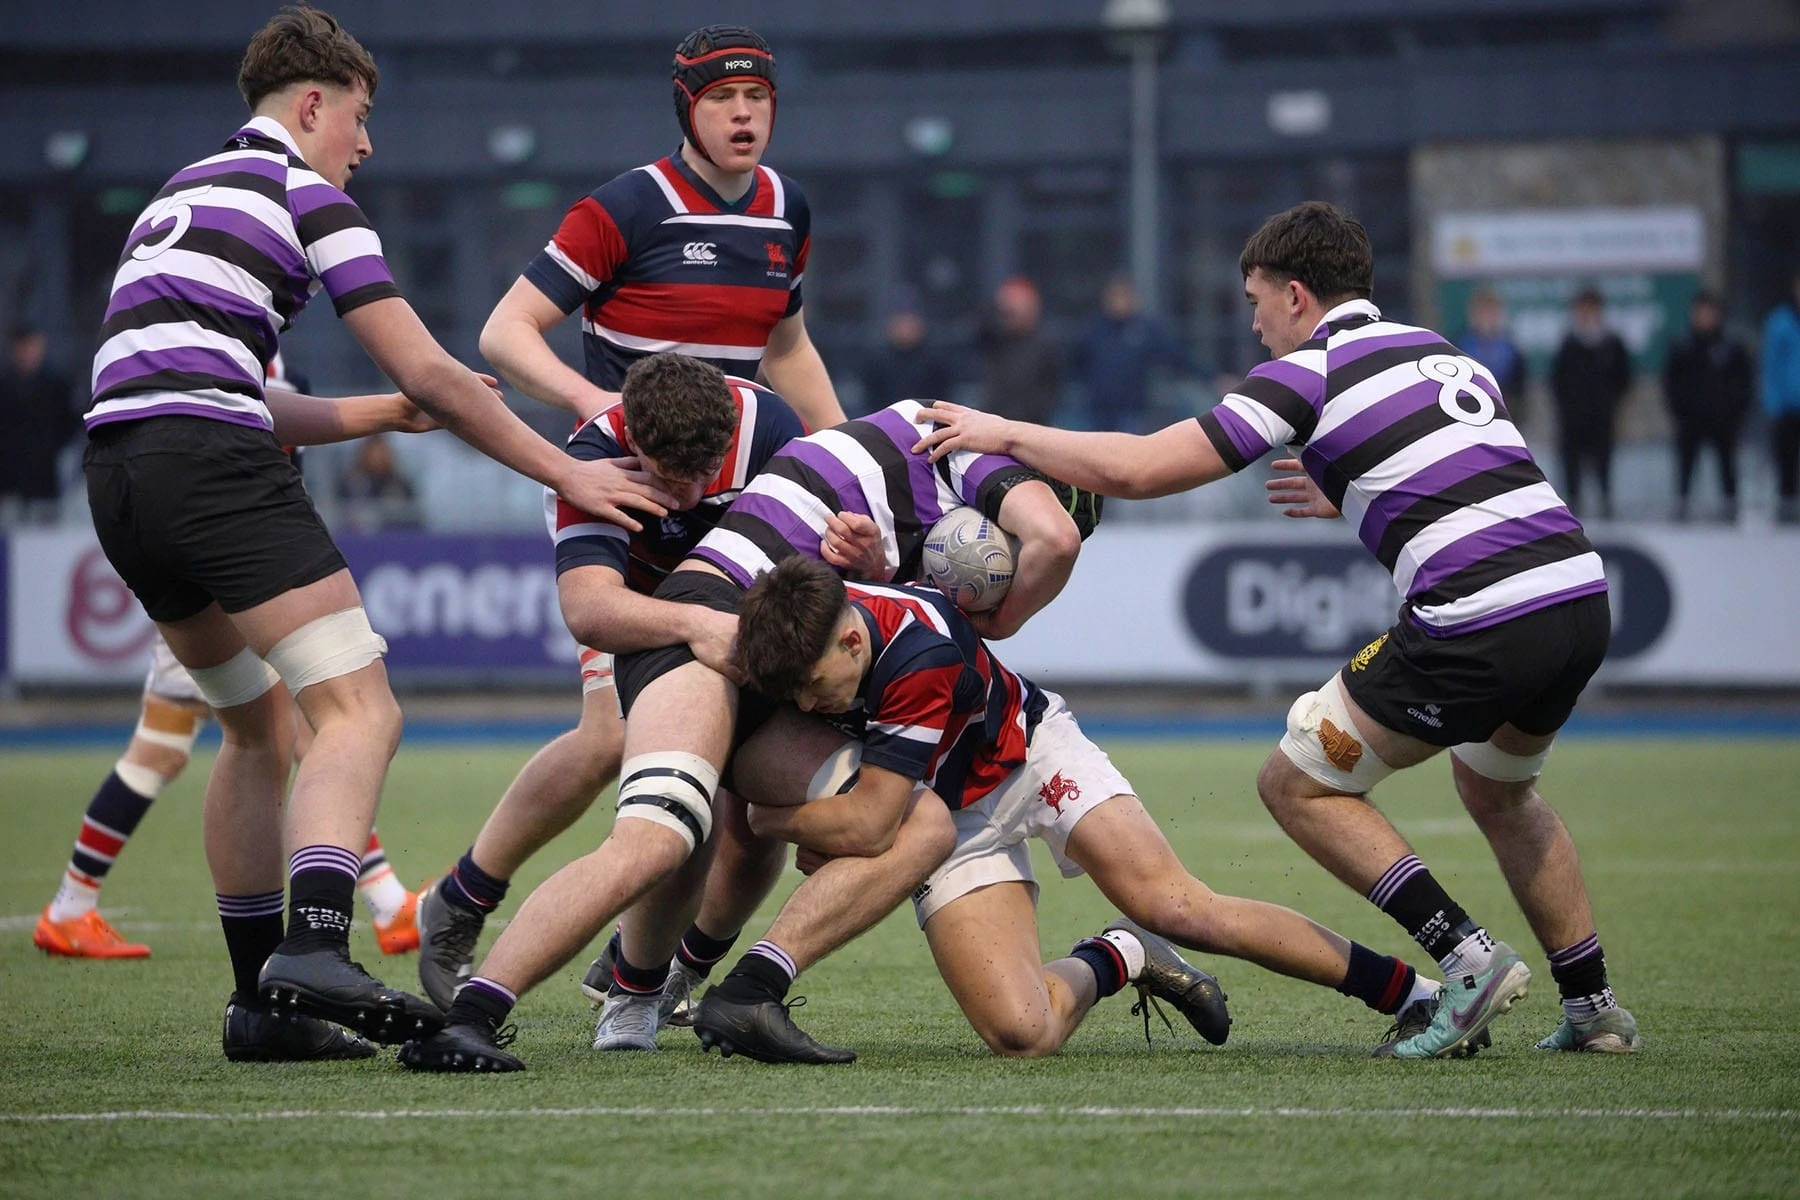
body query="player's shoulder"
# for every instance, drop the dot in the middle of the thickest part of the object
(763, 410)
(600, 436)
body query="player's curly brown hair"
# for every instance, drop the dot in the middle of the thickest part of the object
(680, 412)
(1318, 245)
(785, 624)
(301, 43)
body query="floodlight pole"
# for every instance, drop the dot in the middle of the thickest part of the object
(1138, 27)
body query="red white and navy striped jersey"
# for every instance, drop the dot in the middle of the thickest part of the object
(936, 704)
(864, 466)
(658, 261)
(217, 266)
(1411, 439)
(765, 424)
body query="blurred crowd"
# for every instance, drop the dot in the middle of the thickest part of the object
(1726, 394)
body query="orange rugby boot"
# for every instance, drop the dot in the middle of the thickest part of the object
(86, 936)
(400, 935)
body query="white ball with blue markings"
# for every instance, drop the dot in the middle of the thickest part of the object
(970, 559)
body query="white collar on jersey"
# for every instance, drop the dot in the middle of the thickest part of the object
(270, 127)
(1352, 308)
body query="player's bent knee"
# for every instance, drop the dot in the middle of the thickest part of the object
(671, 789)
(170, 726)
(331, 646)
(1490, 762)
(1323, 742)
(235, 682)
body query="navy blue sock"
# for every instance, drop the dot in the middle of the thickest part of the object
(1107, 963)
(470, 887)
(112, 816)
(630, 979)
(1378, 980)
(700, 952)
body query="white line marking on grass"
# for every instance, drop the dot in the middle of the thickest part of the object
(875, 1110)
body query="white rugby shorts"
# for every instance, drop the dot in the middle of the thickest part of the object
(1064, 778)
(168, 678)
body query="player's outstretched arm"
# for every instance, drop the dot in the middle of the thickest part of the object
(1048, 546)
(513, 341)
(303, 420)
(861, 822)
(1126, 465)
(457, 398)
(1295, 488)
(792, 365)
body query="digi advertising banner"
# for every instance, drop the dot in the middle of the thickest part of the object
(1197, 603)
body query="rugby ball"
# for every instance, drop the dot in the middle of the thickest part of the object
(970, 559)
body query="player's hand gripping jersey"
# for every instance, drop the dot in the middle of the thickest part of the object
(1412, 441)
(765, 424)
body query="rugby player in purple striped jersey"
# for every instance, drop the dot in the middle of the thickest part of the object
(1504, 615)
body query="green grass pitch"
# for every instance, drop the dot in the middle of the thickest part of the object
(112, 1083)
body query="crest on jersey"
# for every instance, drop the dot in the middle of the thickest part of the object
(778, 259)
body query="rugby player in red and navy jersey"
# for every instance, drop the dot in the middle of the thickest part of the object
(700, 253)
(701, 437)
(1504, 621)
(936, 717)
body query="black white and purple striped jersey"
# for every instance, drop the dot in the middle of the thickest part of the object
(220, 263)
(1412, 441)
(863, 466)
(936, 704)
(657, 260)
(765, 424)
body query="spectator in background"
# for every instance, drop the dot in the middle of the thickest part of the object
(906, 366)
(38, 421)
(1488, 343)
(1589, 379)
(374, 493)
(1781, 400)
(1021, 368)
(1115, 356)
(1706, 383)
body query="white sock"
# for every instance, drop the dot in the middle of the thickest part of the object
(1580, 1009)
(76, 896)
(384, 894)
(1130, 949)
(1422, 989)
(1473, 955)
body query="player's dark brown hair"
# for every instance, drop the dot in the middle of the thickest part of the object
(785, 624)
(302, 44)
(1318, 245)
(680, 412)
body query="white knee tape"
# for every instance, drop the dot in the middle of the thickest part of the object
(1323, 741)
(238, 680)
(333, 645)
(1490, 762)
(671, 788)
(837, 773)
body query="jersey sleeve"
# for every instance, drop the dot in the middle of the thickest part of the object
(800, 217)
(586, 250)
(582, 539)
(342, 249)
(1277, 404)
(982, 480)
(776, 425)
(917, 700)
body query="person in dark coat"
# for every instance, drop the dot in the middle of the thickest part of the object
(1588, 380)
(1707, 385)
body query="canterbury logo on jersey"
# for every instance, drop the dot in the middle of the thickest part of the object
(705, 253)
